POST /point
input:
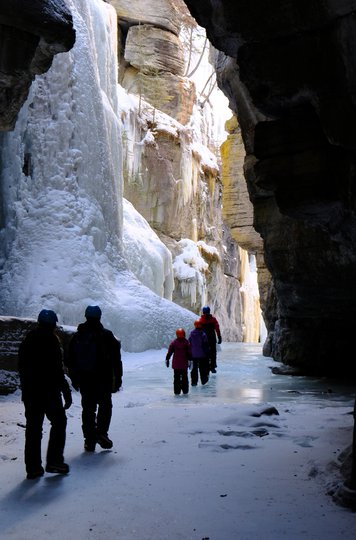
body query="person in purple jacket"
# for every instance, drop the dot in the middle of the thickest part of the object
(182, 354)
(200, 353)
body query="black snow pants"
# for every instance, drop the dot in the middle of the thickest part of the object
(180, 381)
(96, 411)
(35, 411)
(212, 345)
(200, 367)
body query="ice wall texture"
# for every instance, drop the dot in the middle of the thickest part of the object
(61, 221)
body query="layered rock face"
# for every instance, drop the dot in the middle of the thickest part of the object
(31, 33)
(153, 57)
(171, 176)
(290, 76)
(238, 212)
(159, 13)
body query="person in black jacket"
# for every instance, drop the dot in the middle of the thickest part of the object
(42, 384)
(95, 368)
(212, 329)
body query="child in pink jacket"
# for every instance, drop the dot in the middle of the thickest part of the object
(181, 351)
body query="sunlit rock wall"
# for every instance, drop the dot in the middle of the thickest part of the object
(290, 77)
(159, 13)
(171, 168)
(238, 214)
(153, 63)
(174, 184)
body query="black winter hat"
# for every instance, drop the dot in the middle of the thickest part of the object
(93, 312)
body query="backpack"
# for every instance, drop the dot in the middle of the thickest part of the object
(85, 352)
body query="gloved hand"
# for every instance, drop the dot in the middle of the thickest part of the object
(219, 340)
(67, 396)
(116, 386)
(167, 362)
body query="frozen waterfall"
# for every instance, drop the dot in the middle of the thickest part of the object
(61, 184)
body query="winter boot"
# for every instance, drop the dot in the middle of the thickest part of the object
(31, 475)
(57, 468)
(104, 442)
(89, 445)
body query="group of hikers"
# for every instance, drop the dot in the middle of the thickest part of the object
(93, 363)
(197, 352)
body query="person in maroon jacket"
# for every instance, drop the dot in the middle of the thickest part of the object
(181, 351)
(212, 330)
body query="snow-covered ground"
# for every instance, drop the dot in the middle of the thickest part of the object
(202, 466)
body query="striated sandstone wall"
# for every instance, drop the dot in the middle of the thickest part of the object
(159, 13)
(171, 176)
(180, 196)
(238, 214)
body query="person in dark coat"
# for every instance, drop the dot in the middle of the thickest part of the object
(200, 354)
(181, 351)
(43, 383)
(212, 329)
(95, 368)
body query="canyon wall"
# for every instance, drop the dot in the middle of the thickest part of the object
(288, 69)
(172, 168)
(170, 155)
(31, 33)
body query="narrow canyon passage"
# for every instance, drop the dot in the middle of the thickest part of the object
(208, 465)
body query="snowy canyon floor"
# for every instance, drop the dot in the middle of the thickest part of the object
(207, 465)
